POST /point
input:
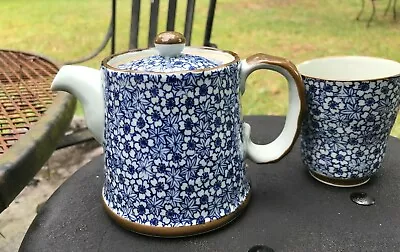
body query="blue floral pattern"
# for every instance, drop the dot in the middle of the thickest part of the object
(157, 63)
(345, 131)
(173, 146)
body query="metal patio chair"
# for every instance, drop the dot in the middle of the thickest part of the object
(391, 3)
(84, 134)
(153, 25)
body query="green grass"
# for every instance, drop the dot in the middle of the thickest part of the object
(296, 29)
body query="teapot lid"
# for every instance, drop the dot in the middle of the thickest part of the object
(170, 57)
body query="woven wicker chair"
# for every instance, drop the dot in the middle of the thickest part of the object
(32, 119)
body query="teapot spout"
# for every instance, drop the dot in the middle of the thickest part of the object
(86, 85)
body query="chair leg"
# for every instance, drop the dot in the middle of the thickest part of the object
(388, 7)
(189, 20)
(135, 18)
(209, 24)
(113, 15)
(362, 10)
(373, 13)
(154, 11)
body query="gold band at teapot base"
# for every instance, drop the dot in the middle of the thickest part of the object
(339, 182)
(176, 232)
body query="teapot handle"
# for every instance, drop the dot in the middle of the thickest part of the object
(278, 148)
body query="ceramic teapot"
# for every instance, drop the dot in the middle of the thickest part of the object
(169, 119)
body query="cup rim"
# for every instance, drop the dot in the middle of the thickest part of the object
(308, 63)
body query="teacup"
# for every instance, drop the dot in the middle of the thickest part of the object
(352, 104)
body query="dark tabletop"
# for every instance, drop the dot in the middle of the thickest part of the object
(288, 211)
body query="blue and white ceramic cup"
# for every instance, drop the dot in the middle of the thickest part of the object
(352, 104)
(175, 143)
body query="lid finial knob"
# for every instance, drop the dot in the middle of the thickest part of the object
(170, 43)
